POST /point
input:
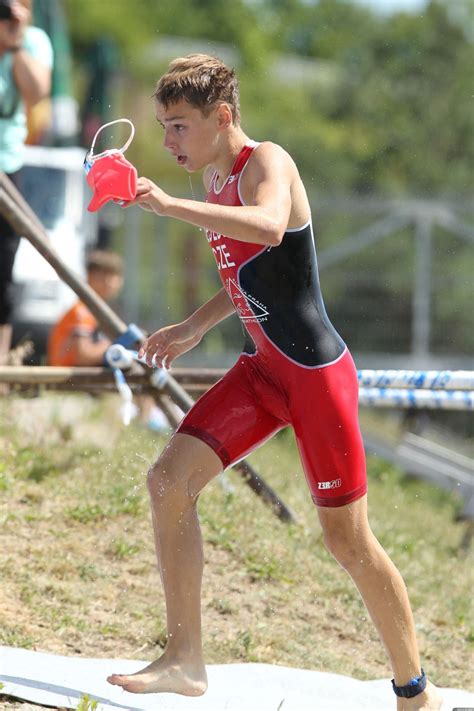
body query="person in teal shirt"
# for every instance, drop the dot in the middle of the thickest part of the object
(26, 58)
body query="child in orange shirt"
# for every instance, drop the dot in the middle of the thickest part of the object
(76, 338)
(77, 341)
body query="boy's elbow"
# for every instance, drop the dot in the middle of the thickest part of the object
(43, 89)
(272, 235)
(36, 94)
(276, 237)
(40, 88)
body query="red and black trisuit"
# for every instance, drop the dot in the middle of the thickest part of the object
(294, 369)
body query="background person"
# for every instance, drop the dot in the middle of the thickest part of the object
(76, 339)
(26, 59)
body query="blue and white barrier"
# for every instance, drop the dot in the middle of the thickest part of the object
(431, 389)
(128, 409)
(417, 398)
(420, 379)
(119, 357)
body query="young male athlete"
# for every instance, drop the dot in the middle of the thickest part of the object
(294, 364)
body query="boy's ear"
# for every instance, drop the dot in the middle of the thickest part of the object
(224, 116)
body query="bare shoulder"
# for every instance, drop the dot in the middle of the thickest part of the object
(270, 164)
(271, 155)
(272, 171)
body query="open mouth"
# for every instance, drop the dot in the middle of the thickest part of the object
(181, 159)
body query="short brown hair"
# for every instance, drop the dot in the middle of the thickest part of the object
(100, 260)
(202, 81)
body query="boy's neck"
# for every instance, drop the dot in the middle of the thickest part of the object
(231, 145)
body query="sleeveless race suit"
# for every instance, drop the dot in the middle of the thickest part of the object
(294, 369)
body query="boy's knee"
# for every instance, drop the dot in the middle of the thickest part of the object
(155, 479)
(351, 548)
(343, 548)
(167, 488)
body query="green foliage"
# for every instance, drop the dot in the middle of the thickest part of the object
(86, 513)
(385, 106)
(86, 703)
(36, 465)
(134, 25)
(120, 503)
(124, 549)
(399, 114)
(16, 638)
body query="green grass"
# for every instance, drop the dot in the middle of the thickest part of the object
(87, 704)
(79, 575)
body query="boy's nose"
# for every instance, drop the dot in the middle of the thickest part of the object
(168, 142)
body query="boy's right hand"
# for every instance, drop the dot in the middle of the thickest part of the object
(162, 347)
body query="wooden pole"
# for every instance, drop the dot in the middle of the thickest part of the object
(28, 225)
(17, 197)
(45, 375)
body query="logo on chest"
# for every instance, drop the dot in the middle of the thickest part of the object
(248, 308)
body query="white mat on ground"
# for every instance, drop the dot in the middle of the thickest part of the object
(53, 680)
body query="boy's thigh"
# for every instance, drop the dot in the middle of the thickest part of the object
(328, 436)
(230, 418)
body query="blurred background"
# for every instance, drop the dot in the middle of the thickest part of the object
(372, 98)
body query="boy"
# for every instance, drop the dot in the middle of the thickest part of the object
(76, 339)
(294, 363)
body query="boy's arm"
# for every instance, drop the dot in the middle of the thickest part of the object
(211, 313)
(168, 343)
(268, 178)
(31, 58)
(89, 353)
(32, 78)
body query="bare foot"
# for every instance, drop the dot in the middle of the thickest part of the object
(429, 700)
(189, 679)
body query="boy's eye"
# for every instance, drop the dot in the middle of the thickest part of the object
(179, 126)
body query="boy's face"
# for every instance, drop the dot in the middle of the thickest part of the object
(106, 284)
(191, 137)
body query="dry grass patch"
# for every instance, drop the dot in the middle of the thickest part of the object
(78, 573)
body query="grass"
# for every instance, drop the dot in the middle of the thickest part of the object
(87, 704)
(78, 574)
